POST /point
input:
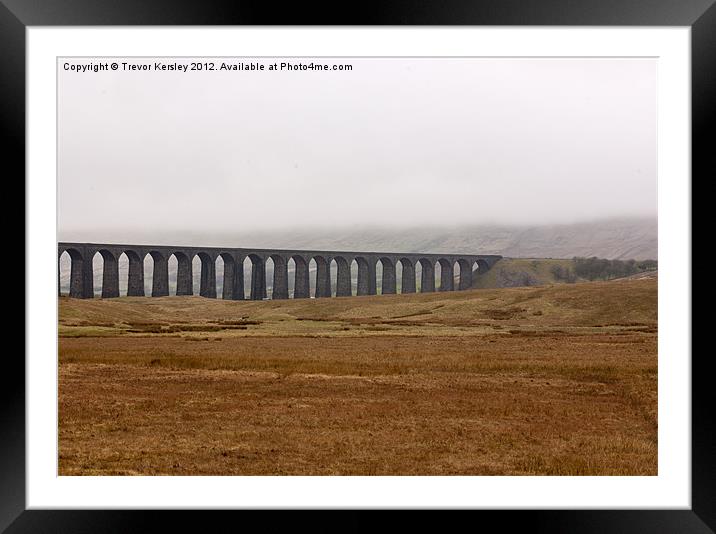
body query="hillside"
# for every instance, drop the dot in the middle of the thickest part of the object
(611, 239)
(521, 272)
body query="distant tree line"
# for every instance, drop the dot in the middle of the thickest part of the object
(563, 274)
(600, 269)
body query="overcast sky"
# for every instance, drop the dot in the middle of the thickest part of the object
(394, 142)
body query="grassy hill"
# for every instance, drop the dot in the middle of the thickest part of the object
(521, 272)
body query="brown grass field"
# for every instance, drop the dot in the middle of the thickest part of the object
(554, 380)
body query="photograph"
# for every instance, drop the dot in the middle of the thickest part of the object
(357, 266)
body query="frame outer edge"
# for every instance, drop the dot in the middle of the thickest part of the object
(12, 63)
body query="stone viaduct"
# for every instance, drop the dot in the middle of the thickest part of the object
(82, 275)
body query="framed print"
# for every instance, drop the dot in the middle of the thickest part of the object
(427, 258)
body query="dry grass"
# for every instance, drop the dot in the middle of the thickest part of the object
(549, 381)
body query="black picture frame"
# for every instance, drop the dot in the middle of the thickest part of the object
(699, 15)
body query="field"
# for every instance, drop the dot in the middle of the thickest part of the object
(552, 380)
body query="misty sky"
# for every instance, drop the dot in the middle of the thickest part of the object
(394, 142)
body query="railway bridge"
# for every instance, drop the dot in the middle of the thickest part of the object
(83, 254)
